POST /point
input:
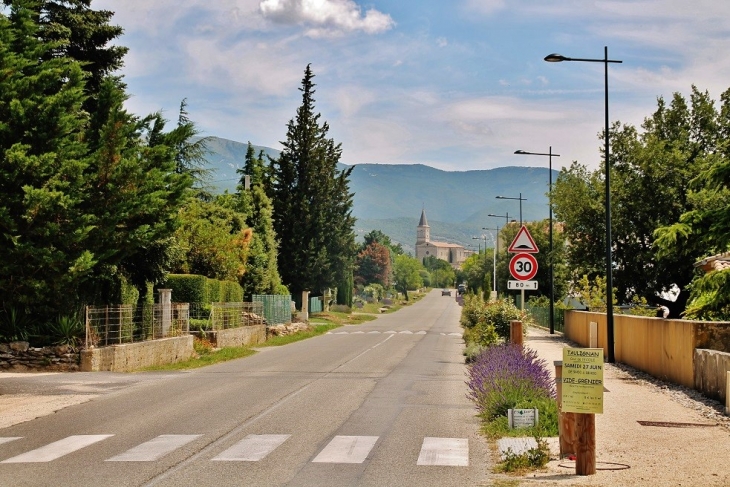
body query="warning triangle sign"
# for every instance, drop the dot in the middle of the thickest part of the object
(523, 243)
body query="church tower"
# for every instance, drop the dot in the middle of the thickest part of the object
(423, 231)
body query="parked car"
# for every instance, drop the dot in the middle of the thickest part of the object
(446, 292)
(462, 289)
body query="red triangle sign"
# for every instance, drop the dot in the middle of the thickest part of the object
(523, 243)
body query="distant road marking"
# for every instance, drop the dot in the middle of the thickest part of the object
(252, 448)
(8, 439)
(346, 449)
(57, 449)
(154, 449)
(449, 452)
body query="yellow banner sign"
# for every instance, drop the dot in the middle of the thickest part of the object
(582, 390)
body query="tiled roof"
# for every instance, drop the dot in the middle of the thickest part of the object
(717, 262)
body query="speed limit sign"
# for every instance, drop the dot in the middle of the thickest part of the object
(523, 267)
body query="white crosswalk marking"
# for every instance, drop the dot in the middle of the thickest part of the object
(8, 439)
(346, 449)
(154, 449)
(252, 448)
(57, 449)
(450, 452)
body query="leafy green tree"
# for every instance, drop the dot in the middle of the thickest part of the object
(373, 266)
(214, 241)
(650, 189)
(441, 273)
(312, 203)
(383, 239)
(406, 274)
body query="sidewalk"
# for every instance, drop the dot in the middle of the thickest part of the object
(629, 454)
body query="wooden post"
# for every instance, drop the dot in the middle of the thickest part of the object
(566, 421)
(593, 334)
(515, 332)
(585, 461)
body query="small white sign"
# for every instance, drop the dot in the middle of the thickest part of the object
(526, 285)
(522, 418)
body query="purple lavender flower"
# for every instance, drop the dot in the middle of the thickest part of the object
(502, 375)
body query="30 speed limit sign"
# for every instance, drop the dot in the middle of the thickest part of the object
(523, 267)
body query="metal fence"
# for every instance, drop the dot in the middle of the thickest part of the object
(124, 323)
(234, 315)
(541, 314)
(315, 304)
(277, 308)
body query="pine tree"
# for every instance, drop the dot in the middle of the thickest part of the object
(42, 162)
(312, 203)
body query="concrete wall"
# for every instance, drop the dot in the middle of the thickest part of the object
(237, 337)
(133, 356)
(711, 368)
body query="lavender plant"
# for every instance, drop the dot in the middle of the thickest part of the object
(503, 375)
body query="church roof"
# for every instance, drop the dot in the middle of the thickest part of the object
(423, 222)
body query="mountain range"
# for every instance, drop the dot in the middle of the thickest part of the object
(390, 197)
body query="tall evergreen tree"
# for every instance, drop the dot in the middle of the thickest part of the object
(42, 162)
(312, 203)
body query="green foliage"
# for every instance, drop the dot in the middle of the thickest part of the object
(374, 291)
(529, 460)
(406, 274)
(188, 288)
(373, 265)
(15, 324)
(67, 330)
(592, 293)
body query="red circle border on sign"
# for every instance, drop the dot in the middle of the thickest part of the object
(513, 262)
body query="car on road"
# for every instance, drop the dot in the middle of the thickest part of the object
(446, 292)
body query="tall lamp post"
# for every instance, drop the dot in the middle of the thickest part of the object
(556, 58)
(495, 242)
(511, 198)
(550, 205)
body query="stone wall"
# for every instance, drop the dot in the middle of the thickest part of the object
(128, 357)
(237, 337)
(19, 357)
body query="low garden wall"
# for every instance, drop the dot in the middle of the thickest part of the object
(663, 348)
(127, 357)
(19, 356)
(236, 337)
(711, 369)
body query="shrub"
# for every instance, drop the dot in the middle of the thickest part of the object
(67, 330)
(499, 313)
(340, 308)
(532, 458)
(502, 376)
(15, 325)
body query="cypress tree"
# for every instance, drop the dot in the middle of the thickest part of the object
(312, 203)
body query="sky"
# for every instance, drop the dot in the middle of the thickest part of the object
(454, 84)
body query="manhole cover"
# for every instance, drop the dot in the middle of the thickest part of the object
(669, 424)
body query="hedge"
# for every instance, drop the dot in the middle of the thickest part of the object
(191, 288)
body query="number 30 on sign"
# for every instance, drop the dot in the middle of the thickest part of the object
(523, 267)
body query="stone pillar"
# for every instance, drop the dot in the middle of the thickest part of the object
(304, 315)
(165, 299)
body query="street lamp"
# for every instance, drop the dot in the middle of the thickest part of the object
(550, 205)
(511, 198)
(556, 58)
(505, 216)
(495, 242)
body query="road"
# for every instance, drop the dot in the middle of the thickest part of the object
(377, 404)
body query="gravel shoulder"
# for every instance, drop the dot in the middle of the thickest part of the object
(629, 454)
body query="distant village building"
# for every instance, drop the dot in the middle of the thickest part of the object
(454, 254)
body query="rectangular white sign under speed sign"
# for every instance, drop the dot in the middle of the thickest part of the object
(525, 285)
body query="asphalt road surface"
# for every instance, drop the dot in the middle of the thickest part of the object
(378, 404)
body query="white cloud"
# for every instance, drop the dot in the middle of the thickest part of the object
(326, 17)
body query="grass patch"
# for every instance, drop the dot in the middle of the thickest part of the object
(205, 359)
(338, 318)
(302, 335)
